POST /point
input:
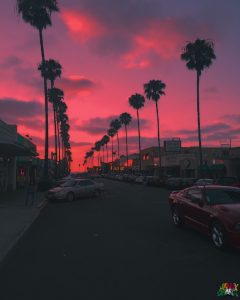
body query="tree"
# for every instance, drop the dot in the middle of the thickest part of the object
(55, 96)
(154, 90)
(198, 56)
(137, 102)
(98, 148)
(116, 125)
(112, 132)
(106, 140)
(53, 69)
(38, 14)
(125, 119)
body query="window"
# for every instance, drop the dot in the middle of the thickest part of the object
(222, 196)
(195, 195)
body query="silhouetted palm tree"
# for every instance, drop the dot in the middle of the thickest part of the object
(98, 148)
(106, 140)
(38, 14)
(199, 55)
(125, 119)
(116, 124)
(137, 102)
(112, 132)
(53, 69)
(154, 90)
(55, 96)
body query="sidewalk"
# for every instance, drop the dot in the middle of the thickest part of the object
(16, 218)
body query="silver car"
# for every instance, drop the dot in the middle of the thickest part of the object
(75, 188)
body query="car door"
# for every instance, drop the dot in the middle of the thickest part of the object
(196, 210)
(81, 190)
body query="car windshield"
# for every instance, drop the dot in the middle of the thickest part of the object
(68, 183)
(221, 196)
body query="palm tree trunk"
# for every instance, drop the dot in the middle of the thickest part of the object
(112, 153)
(139, 144)
(98, 160)
(55, 132)
(159, 147)
(126, 144)
(107, 151)
(103, 154)
(199, 126)
(59, 148)
(46, 107)
(118, 153)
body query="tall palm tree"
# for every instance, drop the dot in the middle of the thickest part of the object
(112, 132)
(98, 148)
(125, 119)
(55, 96)
(198, 56)
(53, 69)
(106, 140)
(154, 89)
(38, 14)
(116, 124)
(137, 102)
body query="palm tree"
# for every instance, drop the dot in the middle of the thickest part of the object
(137, 102)
(112, 132)
(55, 96)
(154, 90)
(125, 119)
(98, 148)
(106, 140)
(116, 124)
(38, 14)
(198, 56)
(53, 69)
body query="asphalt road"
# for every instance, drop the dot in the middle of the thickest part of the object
(120, 246)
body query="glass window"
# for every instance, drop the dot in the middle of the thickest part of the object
(222, 196)
(68, 183)
(195, 195)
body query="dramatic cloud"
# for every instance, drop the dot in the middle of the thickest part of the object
(11, 62)
(75, 85)
(81, 25)
(23, 113)
(97, 126)
(235, 118)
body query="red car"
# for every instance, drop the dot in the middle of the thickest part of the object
(213, 210)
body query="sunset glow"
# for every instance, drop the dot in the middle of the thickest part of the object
(108, 50)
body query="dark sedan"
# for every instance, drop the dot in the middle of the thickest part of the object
(213, 210)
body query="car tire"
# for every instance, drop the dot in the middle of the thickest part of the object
(218, 235)
(177, 221)
(70, 197)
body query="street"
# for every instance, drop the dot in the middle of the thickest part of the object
(121, 245)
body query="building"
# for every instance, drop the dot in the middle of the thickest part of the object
(217, 161)
(12, 146)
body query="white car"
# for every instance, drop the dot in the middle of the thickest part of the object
(140, 179)
(75, 188)
(204, 181)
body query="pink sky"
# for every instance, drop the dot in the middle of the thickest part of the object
(108, 51)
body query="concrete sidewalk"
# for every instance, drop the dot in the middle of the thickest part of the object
(16, 217)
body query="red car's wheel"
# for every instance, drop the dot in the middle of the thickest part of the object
(218, 235)
(177, 221)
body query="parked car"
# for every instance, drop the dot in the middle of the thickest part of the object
(174, 183)
(229, 181)
(204, 181)
(75, 188)
(213, 210)
(140, 179)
